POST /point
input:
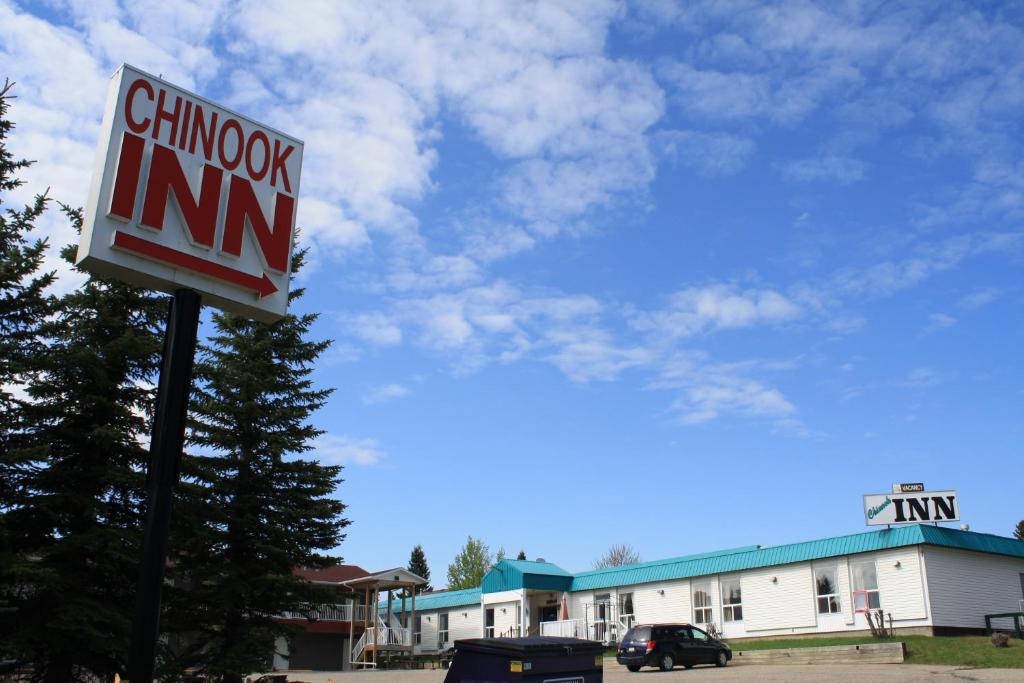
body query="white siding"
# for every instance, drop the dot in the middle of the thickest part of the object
(845, 590)
(900, 589)
(504, 616)
(965, 586)
(650, 606)
(787, 603)
(468, 626)
(428, 631)
(502, 596)
(578, 604)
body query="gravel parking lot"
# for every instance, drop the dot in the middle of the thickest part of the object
(613, 673)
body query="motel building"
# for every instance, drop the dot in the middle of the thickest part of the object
(930, 580)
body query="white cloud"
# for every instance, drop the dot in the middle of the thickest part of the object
(713, 154)
(842, 170)
(940, 321)
(375, 328)
(337, 449)
(705, 402)
(384, 393)
(706, 391)
(697, 310)
(978, 298)
(888, 277)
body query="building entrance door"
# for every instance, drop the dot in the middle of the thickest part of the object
(549, 613)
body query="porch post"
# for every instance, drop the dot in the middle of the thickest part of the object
(412, 621)
(523, 621)
(376, 620)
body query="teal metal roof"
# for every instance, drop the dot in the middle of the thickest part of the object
(440, 600)
(740, 559)
(515, 574)
(972, 540)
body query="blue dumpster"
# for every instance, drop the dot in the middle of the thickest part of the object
(538, 659)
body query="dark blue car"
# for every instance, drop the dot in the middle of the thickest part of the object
(666, 645)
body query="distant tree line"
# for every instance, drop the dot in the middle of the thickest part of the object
(77, 390)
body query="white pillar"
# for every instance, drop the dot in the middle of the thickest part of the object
(523, 621)
(280, 654)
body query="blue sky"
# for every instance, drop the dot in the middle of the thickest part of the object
(685, 276)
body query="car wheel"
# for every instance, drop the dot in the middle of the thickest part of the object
(723, 659)
(633, 668)
(666, 663)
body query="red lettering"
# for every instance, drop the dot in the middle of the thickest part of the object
(184, 124)
(231, 164)
(279, 164)
(253, 173)
(244, 209)
(201, 131)
(171, 117)
(165, 178)
(126, 179)
(133, 125)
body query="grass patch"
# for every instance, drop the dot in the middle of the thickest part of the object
(973, 651)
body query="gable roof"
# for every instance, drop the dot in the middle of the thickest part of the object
(389, 578)
(336, 574)
(756, 557)
(515, 574)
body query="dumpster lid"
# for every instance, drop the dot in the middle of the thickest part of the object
(533, 646)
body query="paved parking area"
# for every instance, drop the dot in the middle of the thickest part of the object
(613, 673)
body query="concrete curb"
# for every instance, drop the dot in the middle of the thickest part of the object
(865, 653)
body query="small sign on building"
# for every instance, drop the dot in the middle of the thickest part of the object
(188, 194)
(911, 508)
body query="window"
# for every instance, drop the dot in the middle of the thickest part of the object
(489, 623)
(699, 635)
(626, 609)
(826, 588)
(602, 603)
(417, 629)
(442, 628)
(865, 586)
(702, 606)
(732, 600)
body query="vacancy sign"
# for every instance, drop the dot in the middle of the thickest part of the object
(187, 194)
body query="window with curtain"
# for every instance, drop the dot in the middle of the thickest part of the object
(732, 600)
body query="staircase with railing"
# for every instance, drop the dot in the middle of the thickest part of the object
(379, 636)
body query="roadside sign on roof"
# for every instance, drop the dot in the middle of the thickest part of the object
(188, 194)
(911, 508)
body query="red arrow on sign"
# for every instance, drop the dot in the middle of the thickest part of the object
(158, 252)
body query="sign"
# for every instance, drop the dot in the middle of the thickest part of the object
(188, 194)
(908, 508)
(908, 488)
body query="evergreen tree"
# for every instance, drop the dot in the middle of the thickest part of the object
(418, 565)
(74, 527)
(521, 555)
(469, 566)
(252, 509)
(23, 308)
(499, 556)
(1018, 531)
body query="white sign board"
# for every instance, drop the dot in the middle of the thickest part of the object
(188, 194)
(911, 508)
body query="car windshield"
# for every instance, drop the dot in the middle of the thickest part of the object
(638, 634)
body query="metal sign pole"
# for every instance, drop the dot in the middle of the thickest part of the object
(162, 476)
